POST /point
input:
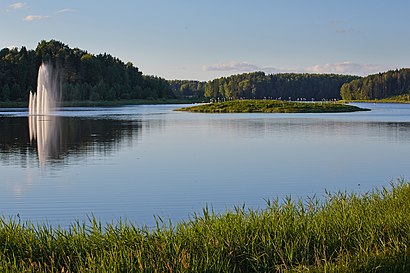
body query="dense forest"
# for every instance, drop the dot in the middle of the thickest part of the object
(281, 86)
(187, 88)
(84, 76)
(259, 85)
(378, 86)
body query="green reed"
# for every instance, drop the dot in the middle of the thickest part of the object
(343, 233)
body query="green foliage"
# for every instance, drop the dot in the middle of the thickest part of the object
(271, 106)
(258, 85)
(84, 76)
(344, 233)
(187, 89)
(18, 72)
(403, 98)
(378, 86)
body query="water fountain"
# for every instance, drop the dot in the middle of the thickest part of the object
(44, 101)
(43, 125)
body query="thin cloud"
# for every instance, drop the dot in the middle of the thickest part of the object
(339, 27)
(30, 18)
(232, 66)
(348, 68)
(238, 67)
(334, 22)
(15, 6)
(67, 10)
(343, 31)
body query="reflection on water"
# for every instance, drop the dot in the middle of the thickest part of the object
(315, 127)
(138, 161)
(59, 140)
(46, 131)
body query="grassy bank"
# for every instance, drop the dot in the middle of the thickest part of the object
(271, 106)
(13, 104)
(344, 233)
(405, 98)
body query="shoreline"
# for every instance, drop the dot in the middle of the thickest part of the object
(375, 101)
(20, 104)
(346, 233)
(23, 104)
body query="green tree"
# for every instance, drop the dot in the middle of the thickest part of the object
(5, 93)
(378, 86)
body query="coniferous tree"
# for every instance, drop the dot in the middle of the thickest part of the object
(378, 86)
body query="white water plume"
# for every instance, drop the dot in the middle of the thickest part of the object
(45, 99)
(43, 126)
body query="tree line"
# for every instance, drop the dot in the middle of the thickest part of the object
(378, 86)
(286, 86)
(84, 76)
(258, 85)
(188, 89)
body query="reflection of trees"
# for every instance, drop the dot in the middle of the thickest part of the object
(312, 127)
(55, 139)
(14, 141)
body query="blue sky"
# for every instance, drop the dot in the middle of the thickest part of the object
(205, 39)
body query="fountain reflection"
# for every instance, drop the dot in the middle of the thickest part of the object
(59, 140)
(46, 131)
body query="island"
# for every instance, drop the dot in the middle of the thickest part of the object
(271, 106)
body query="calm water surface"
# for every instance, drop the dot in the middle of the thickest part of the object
(135, 162)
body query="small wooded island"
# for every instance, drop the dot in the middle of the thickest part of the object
(271, 106)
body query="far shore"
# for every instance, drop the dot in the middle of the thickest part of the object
(88, 103)
(376, 101)
(102, 103)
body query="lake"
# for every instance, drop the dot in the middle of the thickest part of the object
(136, 162)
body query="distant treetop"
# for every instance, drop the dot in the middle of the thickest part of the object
(378, 86)
(84, 76)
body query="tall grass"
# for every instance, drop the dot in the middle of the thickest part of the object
(343, 233)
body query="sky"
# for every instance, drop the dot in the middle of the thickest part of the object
(206, 39)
